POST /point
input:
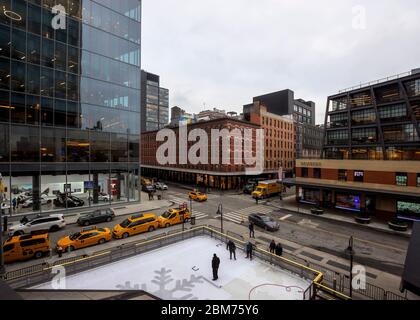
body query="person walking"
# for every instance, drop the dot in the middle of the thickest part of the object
(279, 249)
(249, 248)
(60, 252)
(215, 263)
(232, 249)
(251, 230)
(14, 204)
(272, 246)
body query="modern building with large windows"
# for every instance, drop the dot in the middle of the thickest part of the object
(154, 103)
(371, 152)
(69, 103)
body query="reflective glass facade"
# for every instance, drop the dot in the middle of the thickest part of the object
(70, 103)
(154, 103)
(374, 123)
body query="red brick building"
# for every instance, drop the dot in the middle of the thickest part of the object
(223, 176)
(279, 136)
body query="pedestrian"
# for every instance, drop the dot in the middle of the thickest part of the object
(14, 204)
(232, 249)
(272, 246)
(279, 249)
(215, 263)
(150, 195)
(24, 220)
(60, 252)
(256, 200)
(251, 230)
(249, 248)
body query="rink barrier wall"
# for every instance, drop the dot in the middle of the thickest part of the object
(329, 282)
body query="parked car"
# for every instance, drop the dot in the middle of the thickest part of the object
(264, 221)
(53, 222)
(249, 188)
(21, 248)
(71, 201)
(43, 199)
(87, 237)
(148, 188)
(136, 224)
(161, 186)
(102, 197)
(97, 216)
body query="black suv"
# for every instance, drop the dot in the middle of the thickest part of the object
(97, 216)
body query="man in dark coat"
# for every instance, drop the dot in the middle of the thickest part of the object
(232, 249)
(215, 266)
(272, 246)
(279, 249)
(251, 230)
(249, 248)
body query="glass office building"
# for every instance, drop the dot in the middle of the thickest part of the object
(154, 103)
(69, 104)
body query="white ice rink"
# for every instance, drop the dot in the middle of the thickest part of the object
(183, 271)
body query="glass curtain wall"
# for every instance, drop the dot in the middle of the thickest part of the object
(69, 104)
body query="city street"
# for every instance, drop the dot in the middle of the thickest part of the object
(381, 251)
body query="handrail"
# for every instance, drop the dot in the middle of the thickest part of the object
(316, 281)
(367, 84)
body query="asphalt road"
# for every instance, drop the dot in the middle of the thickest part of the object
(375, 249)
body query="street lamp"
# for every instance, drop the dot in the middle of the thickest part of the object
(220, 211)
(350, 252)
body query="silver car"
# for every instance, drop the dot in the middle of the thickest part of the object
(53, 222)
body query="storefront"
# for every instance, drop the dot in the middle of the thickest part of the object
(408, 210)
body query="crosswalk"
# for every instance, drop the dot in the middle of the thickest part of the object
(197, 214)
(241, 216)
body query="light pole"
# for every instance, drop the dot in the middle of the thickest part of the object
(2, 269)
(220, 211)
(350, 252)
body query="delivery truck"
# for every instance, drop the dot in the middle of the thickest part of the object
(266, 189)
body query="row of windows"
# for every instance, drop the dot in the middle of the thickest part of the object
(277, 123)
(34, 110)
(386, 94)
(24, 144)
(375, 153)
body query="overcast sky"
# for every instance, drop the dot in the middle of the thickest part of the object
(224, 52)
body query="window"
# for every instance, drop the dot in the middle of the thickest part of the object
(364, 135)
(8, 247)
(363, 117)
(405, 132)
(339, 120)
(418, 179)
(361, 99)
(342, 175)
(317, 173)
(393, 113)
(305, 173)
(401, 179)
(338, 137)
(359, 176)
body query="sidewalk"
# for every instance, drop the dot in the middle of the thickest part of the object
(119, 209)
(289, 204)
(330, 262)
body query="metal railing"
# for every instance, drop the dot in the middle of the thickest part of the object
(370, 83)
(39, 274)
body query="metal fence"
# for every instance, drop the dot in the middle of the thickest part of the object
(329, 282)
(39, 274)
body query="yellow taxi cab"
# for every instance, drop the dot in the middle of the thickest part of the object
(21, 248)
(197, 196)
(174, 216)
(136, 224)
(87, 237)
